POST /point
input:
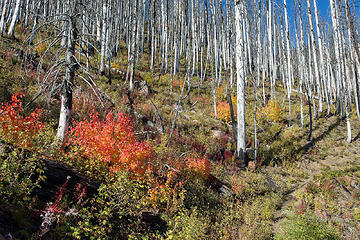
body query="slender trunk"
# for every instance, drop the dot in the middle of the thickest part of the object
(240, 72)
(310, 118)
(314, 56)
(66, 95)
(232, 115)
(270, 57)
(2, 20)
(289, 69)
(337, 69)
(103, 38)
(11, 30)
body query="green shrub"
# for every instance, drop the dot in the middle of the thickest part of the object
(356, 214)
(188, 225)
(306, 226)
(115, 210)
(20, 174)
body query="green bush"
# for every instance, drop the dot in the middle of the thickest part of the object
(114, 212)
(20, 173)
(306, 226)
(188, 225)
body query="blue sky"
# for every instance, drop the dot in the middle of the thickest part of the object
(324, 7)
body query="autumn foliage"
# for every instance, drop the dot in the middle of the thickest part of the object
(16, 128)
(270, 112)
(112, 141)
(198, 165)
(222, 107)
(223, 111)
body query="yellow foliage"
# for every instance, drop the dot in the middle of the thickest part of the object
(221, 93)
(223, 112)
(41, 48)
(116, 65)
(271, 112)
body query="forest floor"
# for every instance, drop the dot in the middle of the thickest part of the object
(333, 166)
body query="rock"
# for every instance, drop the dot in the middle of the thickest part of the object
(218, 134)
(177, 107)
(251, 166)
(355, 185)
(143, 88)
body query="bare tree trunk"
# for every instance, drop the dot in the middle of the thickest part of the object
(2, 20)
(310, 118)
(103, 37)
(36, 19)
(68, 84)
(289, 69)
(233, 122)
(14, 19)
(240, 72)
(314, 56)
(270, 57)
(257, 80)
(337, 70)
(355, 55)
(133, 48)
(323, 76)
(27, 13)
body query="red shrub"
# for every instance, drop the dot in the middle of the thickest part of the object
(112, 141)
(16, 128)
(198, 165)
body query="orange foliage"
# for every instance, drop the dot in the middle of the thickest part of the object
(221, 93)
(223, 111)
(112, 141)
(222, 107)
(16, 128)
(177, 83)
(163, 191)
(199, 166)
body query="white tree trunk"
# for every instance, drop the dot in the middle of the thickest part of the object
(270, 57)
(315, 61)
(337, 54)
(288, 53)
(323, 76)
(240, 73)
(14, 19)
(103, 38)
(2, 20)
(66, 95)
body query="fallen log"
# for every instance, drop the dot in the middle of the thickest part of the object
(56, 174)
